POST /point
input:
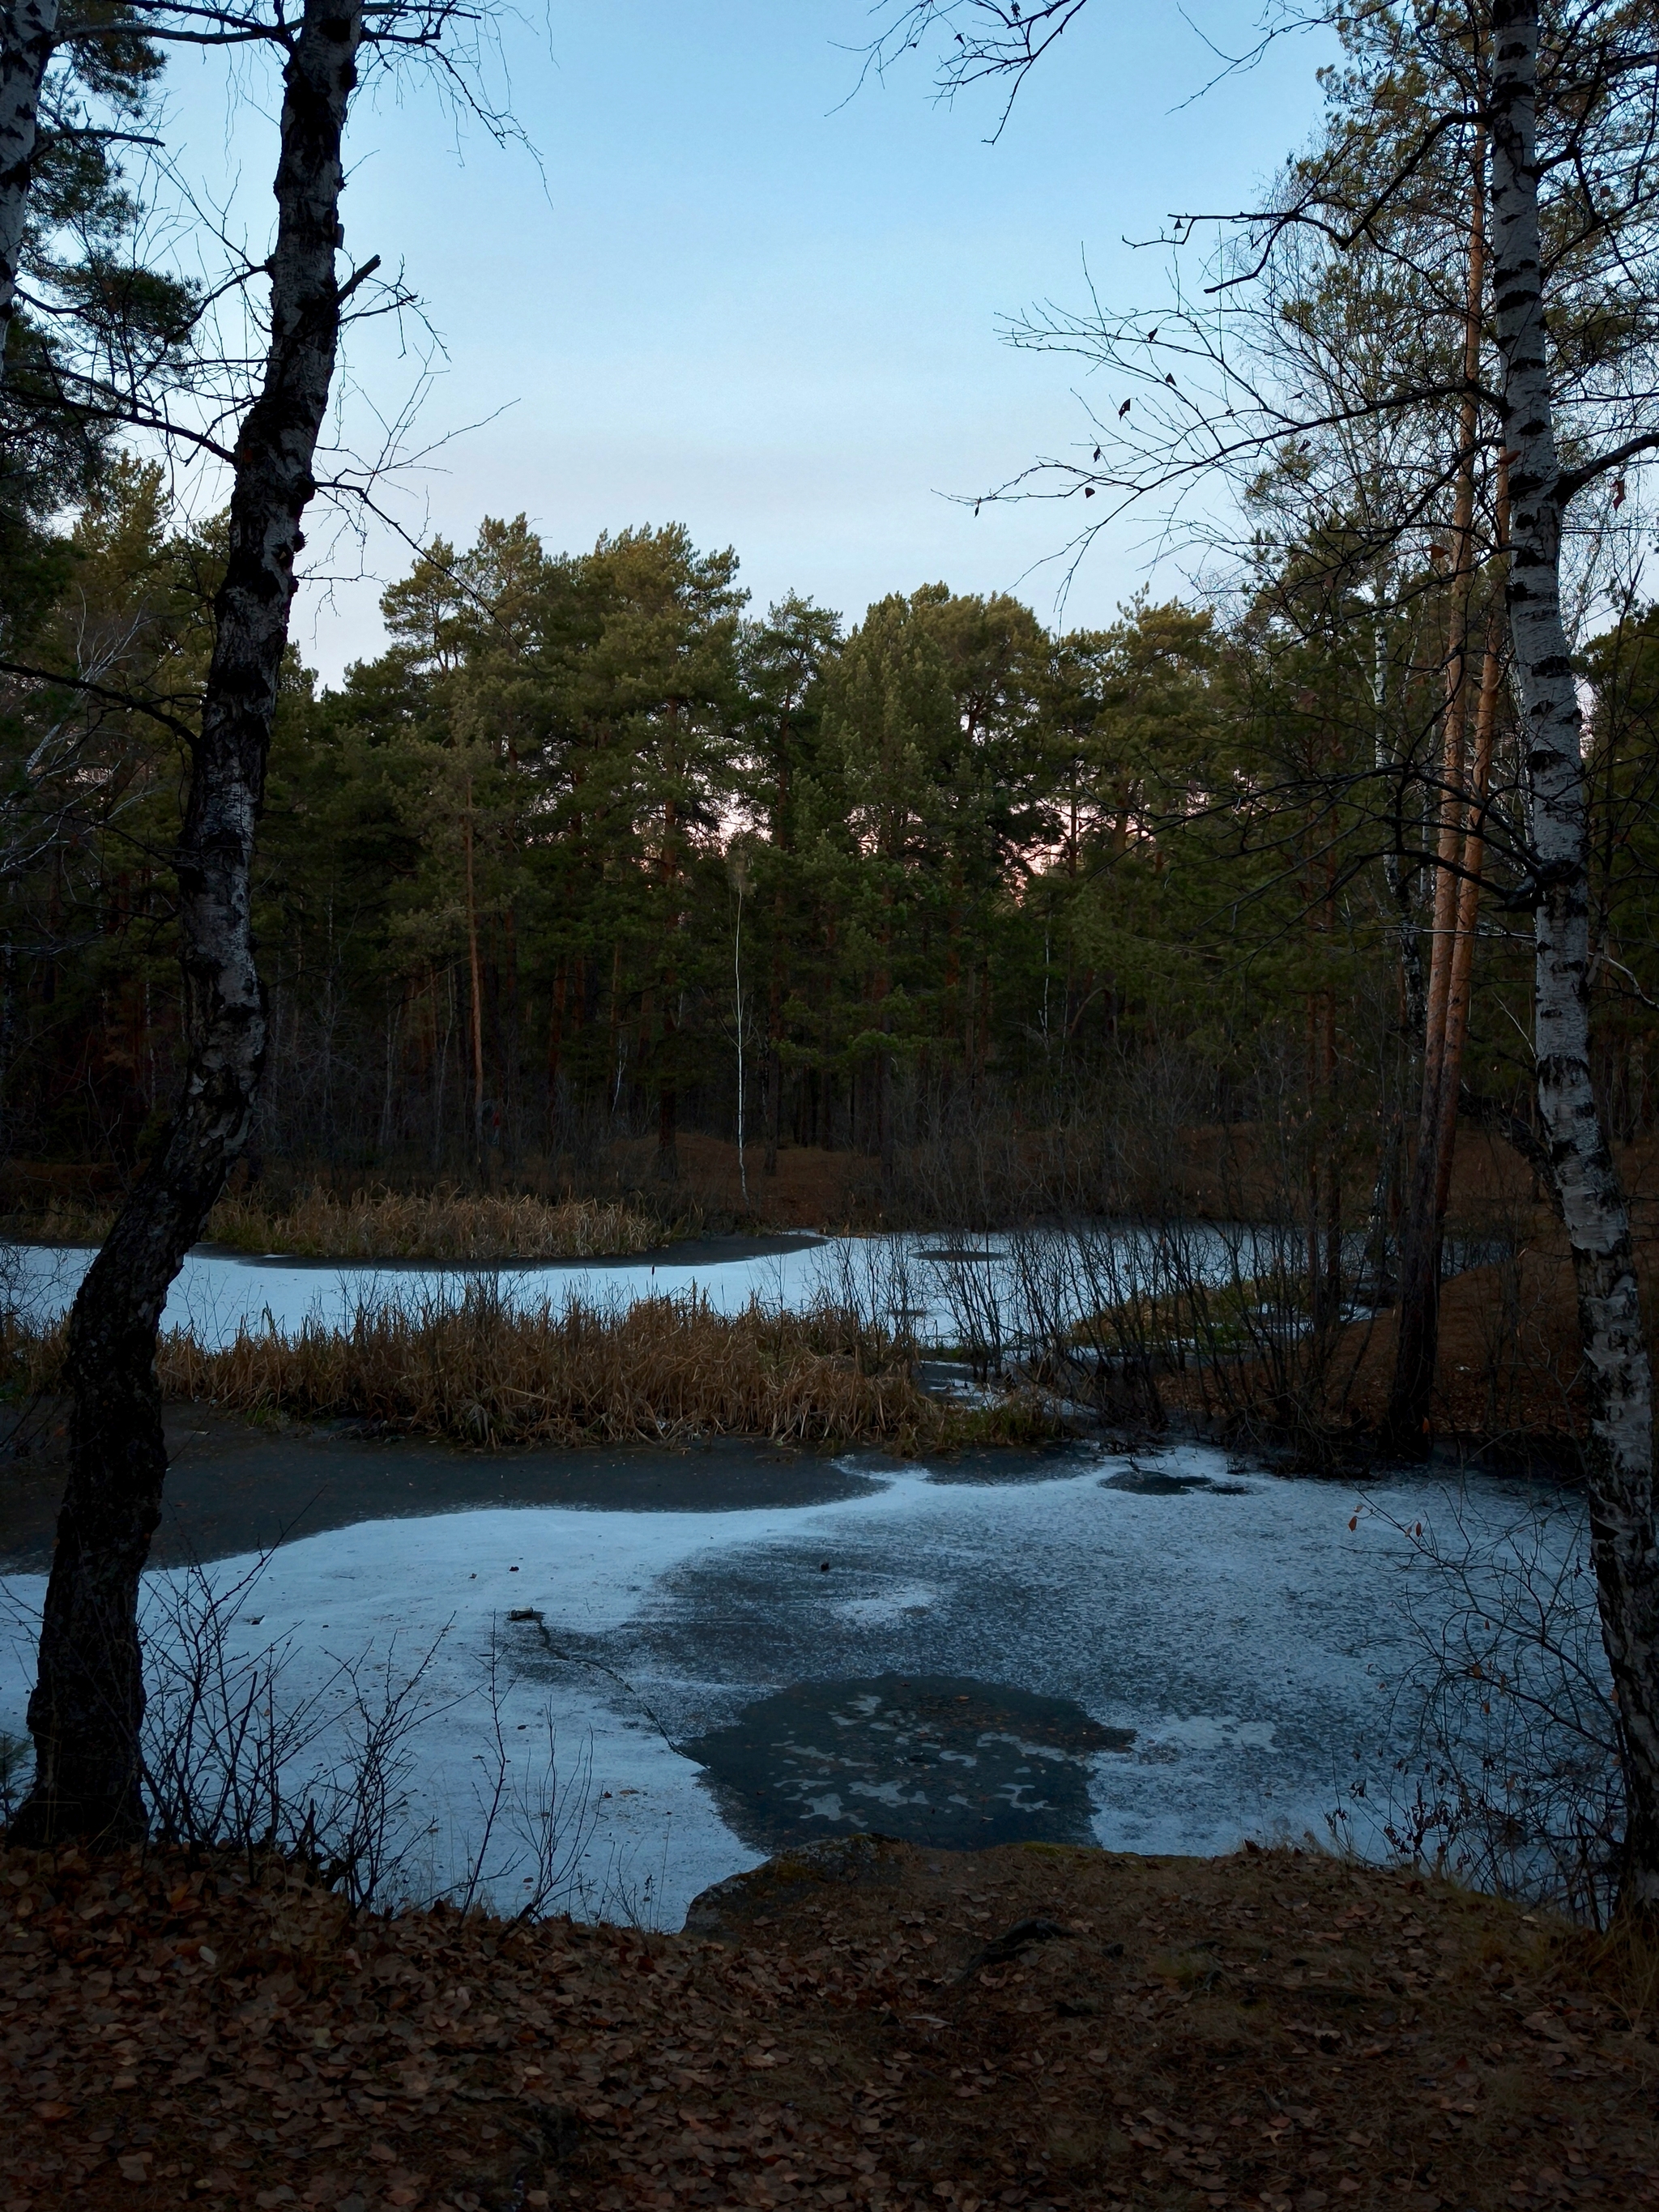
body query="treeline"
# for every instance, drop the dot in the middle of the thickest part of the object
(528, 882)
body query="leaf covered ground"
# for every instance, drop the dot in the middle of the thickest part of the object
(864, 2025)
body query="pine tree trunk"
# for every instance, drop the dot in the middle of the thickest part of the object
(555, 1046)
(1416, 1341)
(89, 1701)
(27, 33)
(773, 1105)
(1619, 1455)
(668, 1156)
(1473, 866)
(475, 984)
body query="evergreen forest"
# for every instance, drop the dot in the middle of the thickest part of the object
(594, 842)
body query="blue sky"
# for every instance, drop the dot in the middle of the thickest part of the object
(734, 297)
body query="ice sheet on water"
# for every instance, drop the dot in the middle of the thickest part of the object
(910, 1276)
(1248, 1641)
(217, 1292)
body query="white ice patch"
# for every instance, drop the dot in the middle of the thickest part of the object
(217, 1292)
(888, 1605)
(1027, 1750)
(888, 1793)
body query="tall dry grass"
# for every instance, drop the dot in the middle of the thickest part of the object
(464, 1363)
(31, 1358)
(474, 1367)
(445, 1224)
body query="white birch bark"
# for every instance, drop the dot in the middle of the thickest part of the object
(29, 30)
(1594, 1206)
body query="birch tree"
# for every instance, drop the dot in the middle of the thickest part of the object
(1594, 1204)
(88, 1703)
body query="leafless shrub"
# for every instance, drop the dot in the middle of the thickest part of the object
(1517, 1781)
(522, 1818)
(247, 1750)
(1116, 1144)
(1140, 1252)
(1122, 1316)
(872, 1294)
(235, 1757)
(1074, 1310)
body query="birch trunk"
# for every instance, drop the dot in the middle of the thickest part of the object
(89, 1701)
(29, 30)
(1619, 1469)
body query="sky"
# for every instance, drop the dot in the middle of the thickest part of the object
(726, 286)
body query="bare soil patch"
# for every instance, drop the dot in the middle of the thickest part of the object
(865, 2025)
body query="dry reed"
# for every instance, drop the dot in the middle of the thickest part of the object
(470, 1365)
(445, 1224)
(31, 1358)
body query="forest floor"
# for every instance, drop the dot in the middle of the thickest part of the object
(863, 2025)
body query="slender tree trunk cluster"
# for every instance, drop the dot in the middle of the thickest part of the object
(1417, 1345)
(88, 1705)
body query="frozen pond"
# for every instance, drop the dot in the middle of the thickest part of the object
(929, 1281)
(218, 1291)
(1163, 1652)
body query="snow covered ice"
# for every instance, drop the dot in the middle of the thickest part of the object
(1235, 1639)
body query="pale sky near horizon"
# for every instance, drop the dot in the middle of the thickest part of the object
(732, 297)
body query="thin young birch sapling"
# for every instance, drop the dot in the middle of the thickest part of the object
(737, 868)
